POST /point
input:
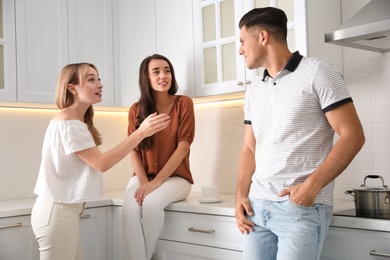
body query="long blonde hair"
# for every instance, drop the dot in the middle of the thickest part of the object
(76, 74)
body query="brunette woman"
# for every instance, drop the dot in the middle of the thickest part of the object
(161, 162)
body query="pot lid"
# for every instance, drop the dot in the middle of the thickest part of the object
(365, 188)
(372, 189)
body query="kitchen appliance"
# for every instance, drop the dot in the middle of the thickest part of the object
(368, 29)
(372, 202)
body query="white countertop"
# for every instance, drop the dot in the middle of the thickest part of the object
(20, 207)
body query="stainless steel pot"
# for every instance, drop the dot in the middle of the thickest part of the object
(372, 202)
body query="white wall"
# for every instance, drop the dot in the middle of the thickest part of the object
(21, 136)
(214, 153)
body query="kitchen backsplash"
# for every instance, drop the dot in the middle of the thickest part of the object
(219, 133)
(214, 152)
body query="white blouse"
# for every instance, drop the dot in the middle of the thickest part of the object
(63, 176)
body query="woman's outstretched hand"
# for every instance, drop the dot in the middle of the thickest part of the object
(153, 124)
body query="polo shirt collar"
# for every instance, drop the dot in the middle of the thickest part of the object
(291, 65)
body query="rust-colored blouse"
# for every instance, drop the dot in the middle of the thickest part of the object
(182, 127)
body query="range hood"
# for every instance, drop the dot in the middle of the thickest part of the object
(368, 29)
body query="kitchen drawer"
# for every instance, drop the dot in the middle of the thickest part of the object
(168, 250)
(202, 229)
(356, 244)
(17, 240)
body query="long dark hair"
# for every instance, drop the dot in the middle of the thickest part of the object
(146, 102)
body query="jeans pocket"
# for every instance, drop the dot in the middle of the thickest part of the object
(299, 208)
(41, 214)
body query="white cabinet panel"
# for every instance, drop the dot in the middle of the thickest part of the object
(210, 230)
(7, 52)
(218, 67)
(147, 27)
(175, 40)
(42, 48)
(90, 24)
(53, 33)
(188, 236)
(17, 240)
(356, 244)
(116, 243)
(136, 34)
(93, 233)
(168, 250)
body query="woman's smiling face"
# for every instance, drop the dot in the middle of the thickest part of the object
(160, 76)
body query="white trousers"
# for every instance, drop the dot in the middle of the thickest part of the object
(56, 228)
(142, 225)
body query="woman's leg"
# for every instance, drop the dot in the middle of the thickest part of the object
(142, 225)
(173, 189)
(56, 227)
(131, 222)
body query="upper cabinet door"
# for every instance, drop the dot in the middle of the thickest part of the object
(42, 48)
(90, 24)
(7, 51)
(218, 67)
(175, 40)
(53, 33)
(135, 32)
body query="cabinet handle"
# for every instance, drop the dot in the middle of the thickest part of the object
(85, 216)
(240, 83)
(11, 226)
(210, 231)
(373, 252)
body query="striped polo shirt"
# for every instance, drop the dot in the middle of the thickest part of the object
(293, 136)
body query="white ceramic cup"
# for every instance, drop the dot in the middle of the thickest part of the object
(210, 192)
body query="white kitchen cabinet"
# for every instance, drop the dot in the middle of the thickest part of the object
(116, 245)
(356, 244)
(175, 40)
(153, 26)
(93, 233)
(41, 46)
(17, 240)
(136, 34)
(91, 39)
(188, 236)
(53, 33)
(168, 250)
(219, 67)
(7, 51)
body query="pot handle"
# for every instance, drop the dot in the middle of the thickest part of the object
(350, 192)
(374, 177)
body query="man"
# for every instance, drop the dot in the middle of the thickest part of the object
(288, 162)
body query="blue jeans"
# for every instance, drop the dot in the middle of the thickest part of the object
(284, 230)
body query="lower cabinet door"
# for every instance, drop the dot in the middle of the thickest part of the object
(116, 239)
(355, 244)
(93, 233)
(169, 250)
(17, 240)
